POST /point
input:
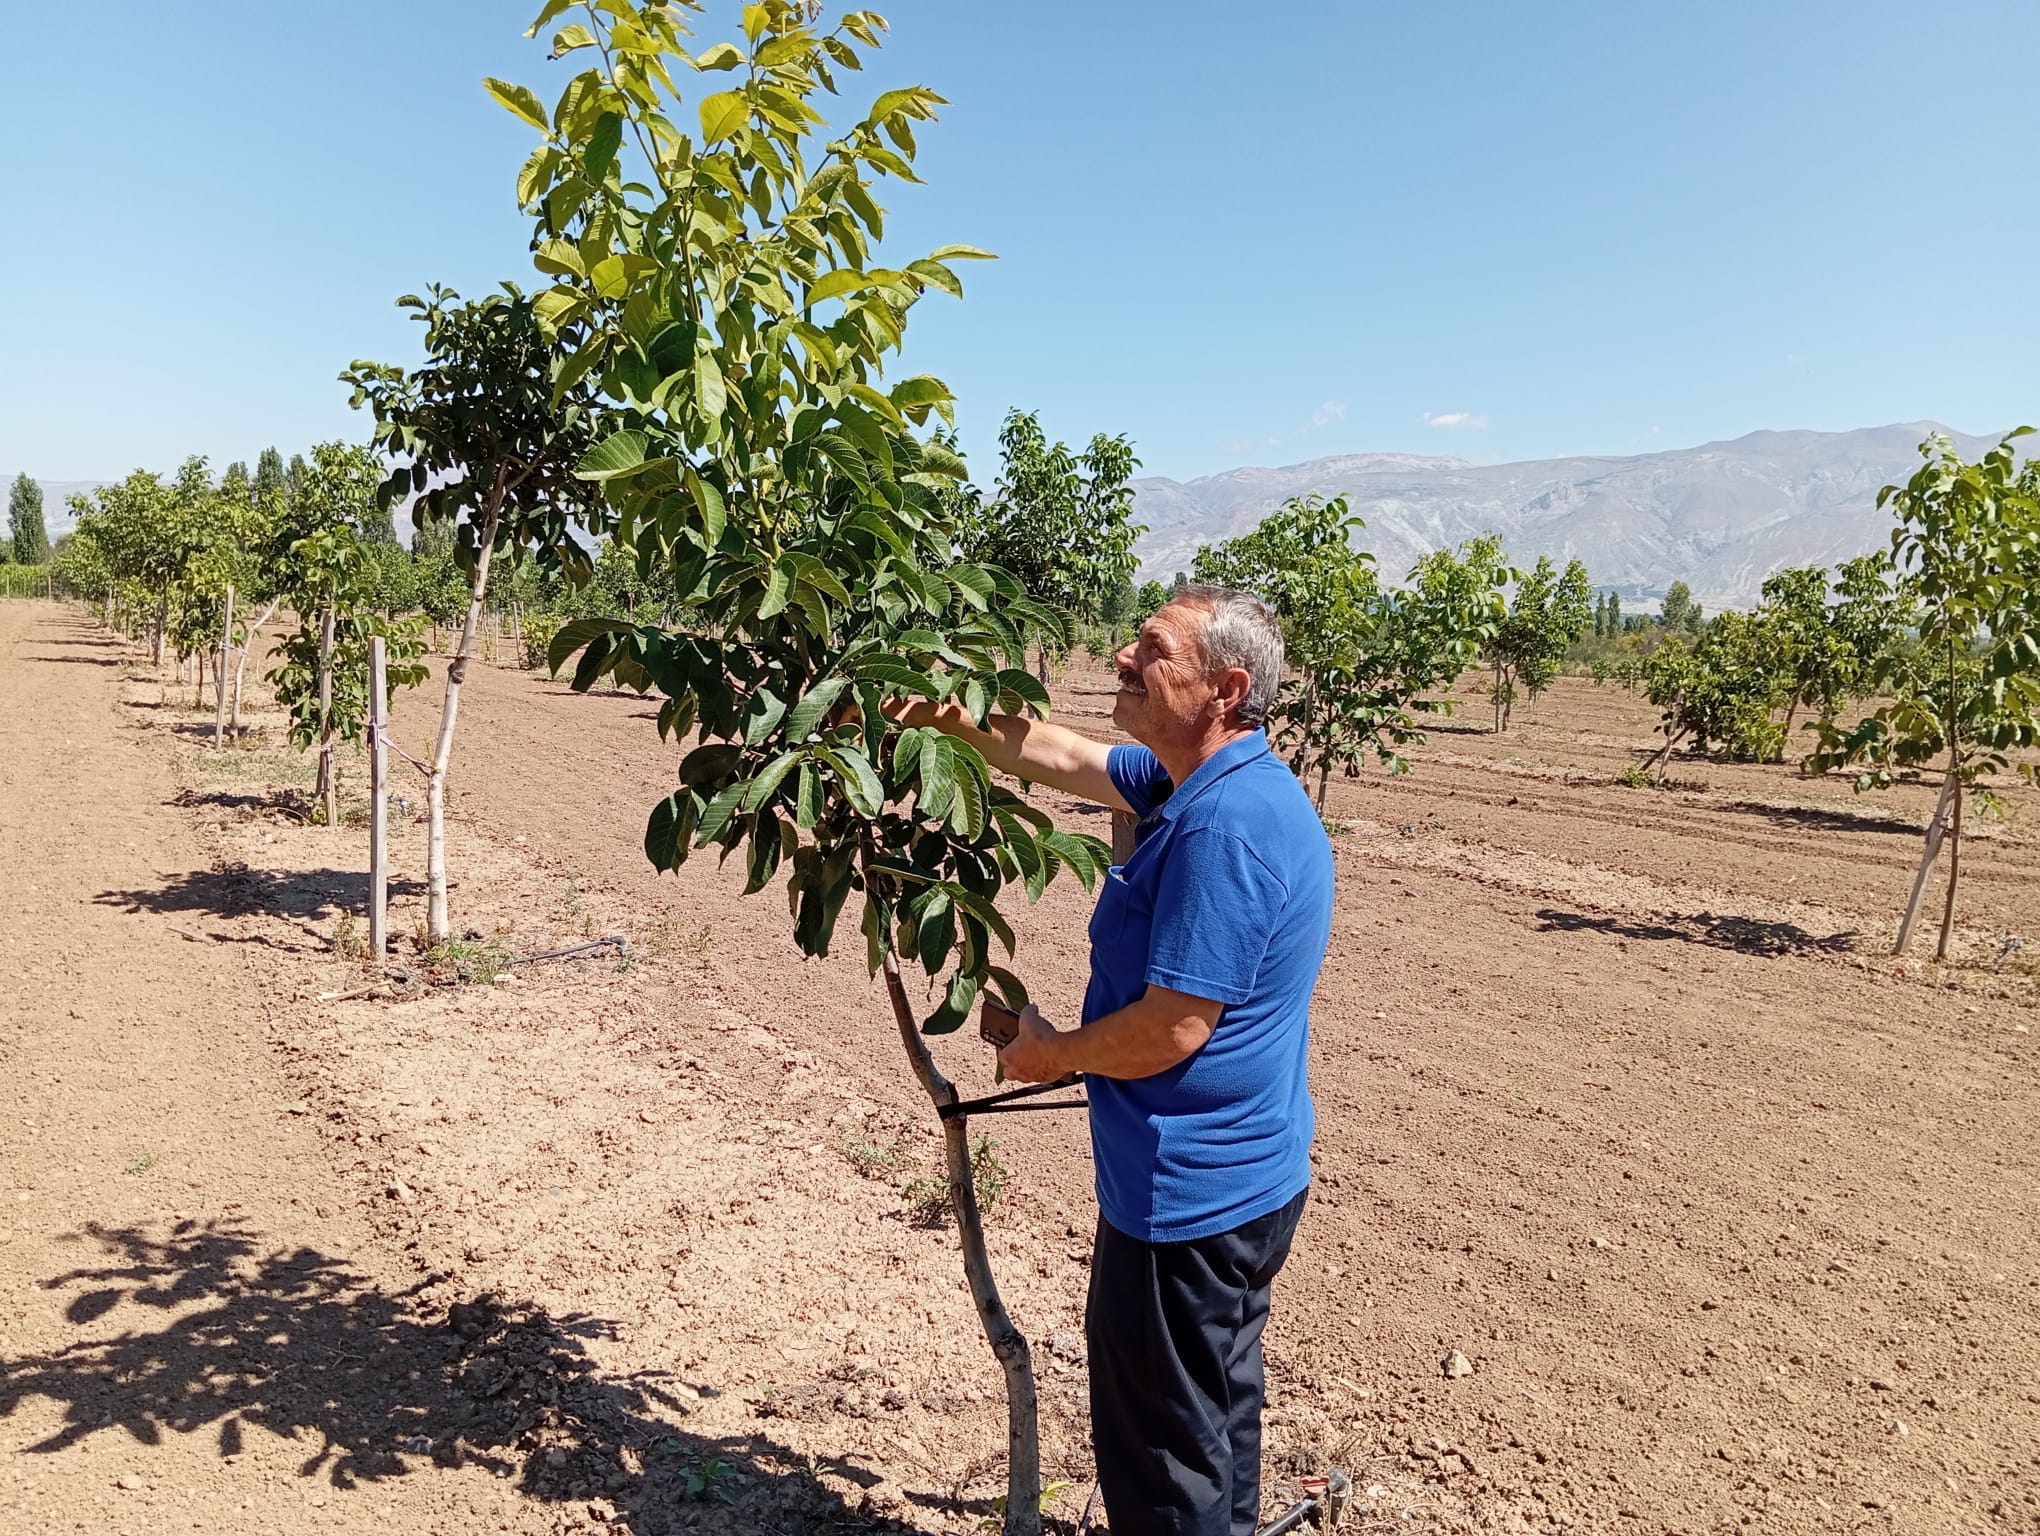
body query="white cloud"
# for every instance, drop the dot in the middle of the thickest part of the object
(1329, 412)
(1458, 421)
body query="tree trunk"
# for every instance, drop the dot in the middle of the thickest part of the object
(1023, 1441)
(1041, 659)
(437, 926)
(1664, 754)
(329, 792)
(156, 644)
(241, 666)
(1936, 830)
(1791, 710)
(1954, 875)
(1324, 774)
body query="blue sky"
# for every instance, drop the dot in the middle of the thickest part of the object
(1241, 234)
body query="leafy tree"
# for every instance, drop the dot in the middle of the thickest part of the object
(1151, 596)
(717, 287)
(1367, 660)
(1724, 689)
(1117, 606)
(270, 480)
(319, 564)
(1967, 544)
(486, 442)
(1548, 614)
(1680, 614)
(1828, 651)
(1060, 522)
(25, 522)
(1615, 620)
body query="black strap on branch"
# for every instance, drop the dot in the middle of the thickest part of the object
(1002, 1103)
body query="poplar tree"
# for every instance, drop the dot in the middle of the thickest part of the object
(25, 522)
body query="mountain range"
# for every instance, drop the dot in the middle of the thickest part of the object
(1720, 517)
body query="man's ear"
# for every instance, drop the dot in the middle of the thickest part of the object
(1230, 690)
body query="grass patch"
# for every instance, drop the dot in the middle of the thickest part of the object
(928, 1200)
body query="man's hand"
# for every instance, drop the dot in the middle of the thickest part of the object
(1035, 1054)
(1156, 1031)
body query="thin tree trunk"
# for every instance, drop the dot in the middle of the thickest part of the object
(1936, 830)
(1023, 1440)
(437, 925)
(1954, 876)
(1663, 759)
(329, 792)
(1041, 659)
(1324, 774)
(241, 666)
(156, 644)
(1791, 710)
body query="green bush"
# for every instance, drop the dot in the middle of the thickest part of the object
(539, 629)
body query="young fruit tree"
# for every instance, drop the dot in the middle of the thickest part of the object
(1368, 661)
(486, 442)
(1827, 651)
(716, 284)
(1549, 612)
(1059, 521)
(1967, 548)
(1726, 688)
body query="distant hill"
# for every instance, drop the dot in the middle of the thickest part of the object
(1720, 517)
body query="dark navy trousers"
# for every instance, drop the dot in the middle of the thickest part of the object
(1174, 1334)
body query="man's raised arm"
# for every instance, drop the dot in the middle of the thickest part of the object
(1036, 750)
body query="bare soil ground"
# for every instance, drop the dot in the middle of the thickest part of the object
(1619, 1094)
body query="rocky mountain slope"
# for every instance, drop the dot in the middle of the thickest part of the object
(1719, 517)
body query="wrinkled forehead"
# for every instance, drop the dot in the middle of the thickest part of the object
(1177, 628)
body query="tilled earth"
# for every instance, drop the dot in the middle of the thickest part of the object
(1620, 1097)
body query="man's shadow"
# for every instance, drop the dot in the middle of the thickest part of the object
(204, 1331)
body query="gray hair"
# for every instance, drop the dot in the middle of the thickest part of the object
(1240, 631)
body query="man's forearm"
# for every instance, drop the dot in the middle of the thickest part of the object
(1156, 1031)
(1036, 750)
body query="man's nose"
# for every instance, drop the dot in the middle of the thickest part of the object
(1124, 660)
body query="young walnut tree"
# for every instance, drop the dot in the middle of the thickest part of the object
(488, 443)
(716, 283)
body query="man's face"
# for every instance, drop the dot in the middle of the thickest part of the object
(1164, 696)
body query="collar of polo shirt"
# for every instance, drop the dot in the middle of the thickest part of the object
(1234, 754)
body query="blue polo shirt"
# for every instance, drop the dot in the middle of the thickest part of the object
(1228, 896)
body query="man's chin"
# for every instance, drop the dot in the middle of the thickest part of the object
(1126, 713)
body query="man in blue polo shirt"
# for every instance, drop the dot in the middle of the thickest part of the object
(1205, 948)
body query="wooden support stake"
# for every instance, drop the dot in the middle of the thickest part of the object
(1936, 830)
(378, 808)
(219, 735)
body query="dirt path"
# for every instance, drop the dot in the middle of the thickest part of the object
(189, 1337)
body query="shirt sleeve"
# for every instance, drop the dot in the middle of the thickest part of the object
(1138, 775)
(1216, 908)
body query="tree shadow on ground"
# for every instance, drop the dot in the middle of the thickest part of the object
(294, 803)
(204, 1331)
(77, 661)
(1745, 935)
(235, 890)
(1824, 819)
